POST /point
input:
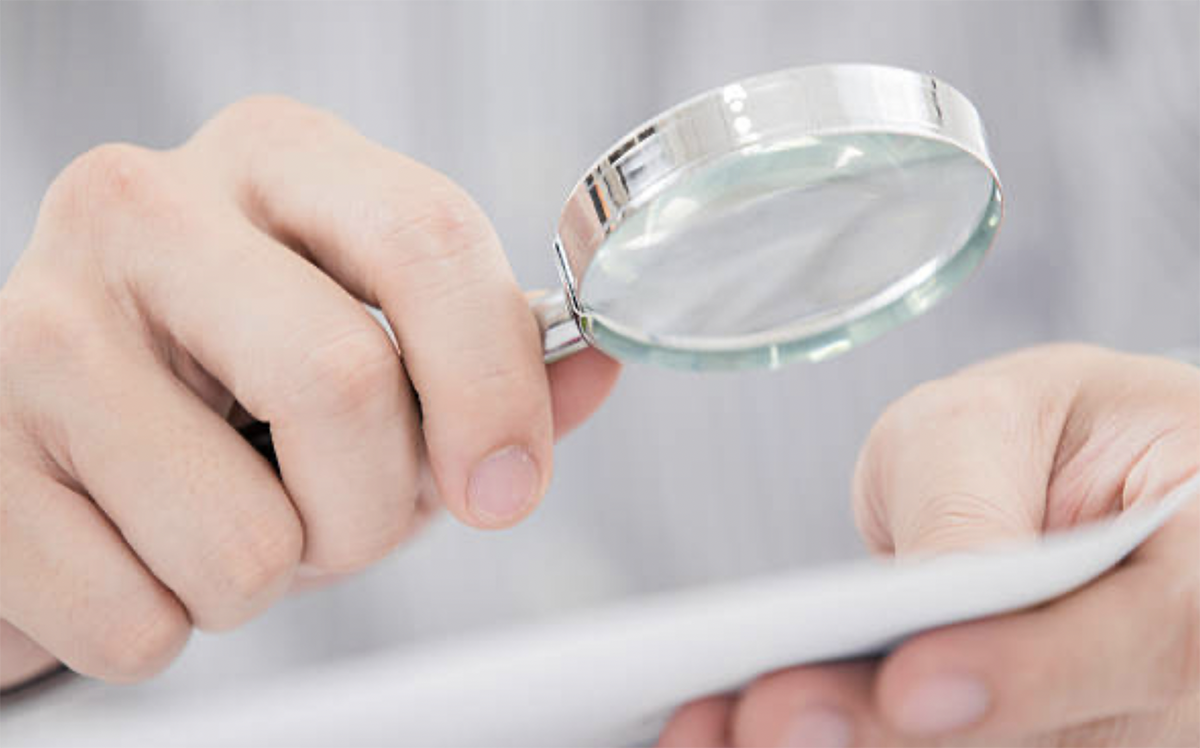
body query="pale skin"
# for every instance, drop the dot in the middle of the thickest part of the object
(166, 294)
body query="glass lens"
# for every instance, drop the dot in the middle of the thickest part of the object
(800, 248)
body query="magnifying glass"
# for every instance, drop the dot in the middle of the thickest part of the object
(787, 216)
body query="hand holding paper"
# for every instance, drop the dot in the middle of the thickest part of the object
(1041, 440)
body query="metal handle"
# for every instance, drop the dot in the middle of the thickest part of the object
(561, 335)
(258, 435)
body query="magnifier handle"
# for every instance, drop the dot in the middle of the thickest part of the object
(560, 338)
(560, 332)
(258, 435)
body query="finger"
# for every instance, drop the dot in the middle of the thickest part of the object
(958, 463)
(73, 586)
(202, 510)
(1124, 644)
(309, 577)
(700, 724)
(830, 706)
(401, 237)
(578, 385)
(811, 706)
(822, 705)
(21, 658)
(296, 351)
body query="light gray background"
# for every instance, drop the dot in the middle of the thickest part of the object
(681, 479)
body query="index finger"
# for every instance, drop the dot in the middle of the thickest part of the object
(398, 235)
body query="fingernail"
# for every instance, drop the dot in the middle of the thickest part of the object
(818, 727)
(943, 704)
(503, 485)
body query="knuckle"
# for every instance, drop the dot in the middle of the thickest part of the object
(271, 116)
(248, 570)
(955, 397)
(382, 516)
(444, 228)
(387, 530)
(111, 174)
(38, 329)
(30, 327)
(47, 347)
(348, 373)
(142, 640)
(452, 218)
(943, 401)
(522, 385)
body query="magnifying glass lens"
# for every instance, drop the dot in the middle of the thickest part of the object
(789, 248)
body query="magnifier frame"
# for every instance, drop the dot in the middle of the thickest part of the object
(777, 107)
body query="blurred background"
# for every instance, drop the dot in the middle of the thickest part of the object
(1093, 110)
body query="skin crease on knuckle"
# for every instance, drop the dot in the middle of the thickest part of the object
(136, 641)
(451, 222)
(46, 349)
(115, 192)
(109, 174)
(249, 571)
(236, 144)
(369, 545)
(439, 245)
(906, 427)
(342, 374)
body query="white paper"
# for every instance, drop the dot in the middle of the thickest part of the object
(611, 675)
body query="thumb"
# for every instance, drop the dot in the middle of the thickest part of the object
(578, 385)
(956, 464)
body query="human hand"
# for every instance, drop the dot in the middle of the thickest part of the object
(162, 291)
(1040, 440)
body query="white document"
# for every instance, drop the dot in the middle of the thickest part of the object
(608, 676)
